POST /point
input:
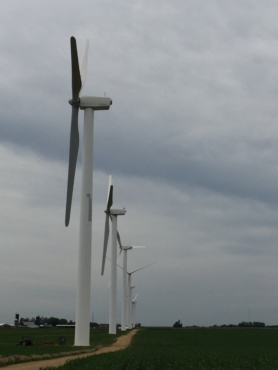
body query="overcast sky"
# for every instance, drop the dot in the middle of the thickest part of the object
(190, 140)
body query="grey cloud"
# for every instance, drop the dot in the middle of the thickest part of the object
(190, 140)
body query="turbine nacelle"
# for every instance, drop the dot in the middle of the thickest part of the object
(95, 102)
(117, 212)
(126, 248)
(129, 247)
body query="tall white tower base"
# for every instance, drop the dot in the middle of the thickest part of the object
(113, 286)
(82, 322)
(130, 307)
(124, 298)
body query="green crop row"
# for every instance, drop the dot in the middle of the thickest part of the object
(197, 349)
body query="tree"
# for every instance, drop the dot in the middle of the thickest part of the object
(53, 321)
(24, 320)
(94, 324)
(177, 324)
(63, 321)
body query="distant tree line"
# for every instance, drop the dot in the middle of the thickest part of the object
(41, 320)
(255, 324)
(243, 324)
(54, 321)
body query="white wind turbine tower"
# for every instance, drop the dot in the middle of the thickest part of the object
(89, 104)
(125, 305)
(133, 310)
(113, 214)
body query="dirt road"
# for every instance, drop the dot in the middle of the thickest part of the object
(121, 343)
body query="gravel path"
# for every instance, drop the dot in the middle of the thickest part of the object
(121, 343)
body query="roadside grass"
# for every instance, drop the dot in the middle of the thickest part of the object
(192, 349)
(10, 352)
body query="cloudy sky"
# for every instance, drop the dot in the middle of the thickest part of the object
(190, 140)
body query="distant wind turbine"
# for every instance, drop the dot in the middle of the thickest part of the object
(134, 303)
(125, 304)
(128, 290)
(113, 214)
(89, 104)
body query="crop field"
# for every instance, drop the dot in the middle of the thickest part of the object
(194, 349)
(9, 338)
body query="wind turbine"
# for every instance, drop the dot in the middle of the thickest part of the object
(129, 290)
(89, 104)
(112, 213)
(128, 295)
(134, 302)
(124, 249)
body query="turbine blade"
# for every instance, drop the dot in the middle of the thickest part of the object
(73, 153)
(109, 200)
(75, 72)
(106, 236)
(117, 263)
(119, 255)
(121, 247)
(119, 266)
(83, 71)
(138, 246)
(119, 241)
(143, 267)
(109, 183)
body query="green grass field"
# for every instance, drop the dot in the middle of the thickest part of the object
(10, 337)
(194, 349)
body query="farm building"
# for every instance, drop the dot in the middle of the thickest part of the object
(5, 325)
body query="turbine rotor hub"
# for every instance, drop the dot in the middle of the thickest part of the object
(74, 103)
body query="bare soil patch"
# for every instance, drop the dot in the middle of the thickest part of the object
(121, 343)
